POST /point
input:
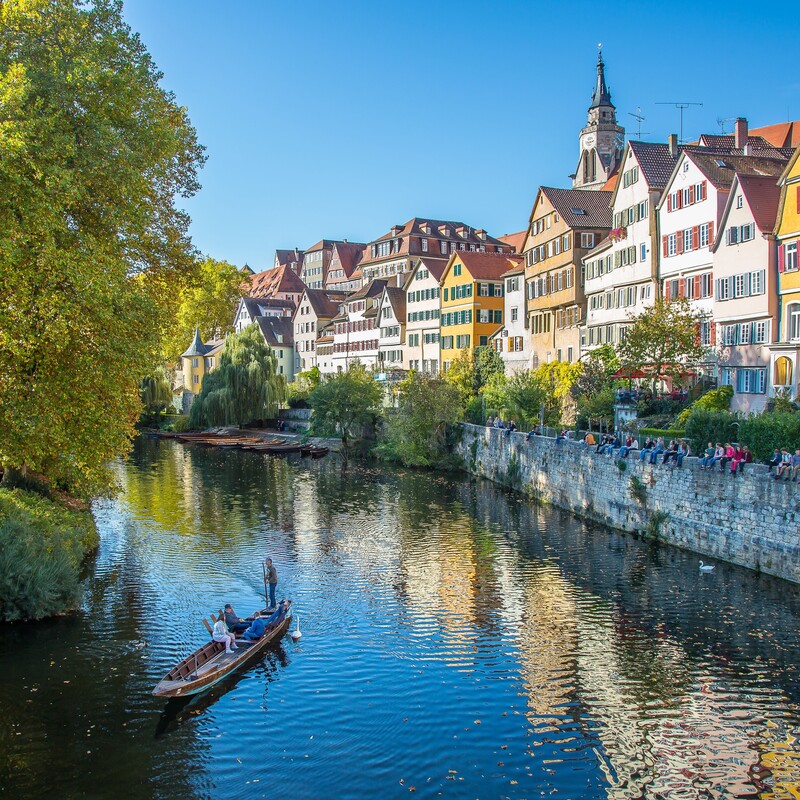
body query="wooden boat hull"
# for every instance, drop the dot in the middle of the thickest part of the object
(209, 664)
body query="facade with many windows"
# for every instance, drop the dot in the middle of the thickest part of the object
(355, 331)
(621, 274)
(513, 341)
(785, 354)
(472, 302)
(564, 225)
(422, 292)
(391, 329)
(314, 311)
(746, 290)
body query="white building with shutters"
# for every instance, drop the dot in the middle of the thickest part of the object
(355, 330)
(422, 316)
(513, 340)
(621, 272)
(746, 301)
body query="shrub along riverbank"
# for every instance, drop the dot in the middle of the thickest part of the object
(43, 545)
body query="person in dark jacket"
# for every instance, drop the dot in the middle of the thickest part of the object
(234, 623)
(272, 580)
(256, 630)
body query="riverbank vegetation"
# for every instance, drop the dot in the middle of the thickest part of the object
(43, 546)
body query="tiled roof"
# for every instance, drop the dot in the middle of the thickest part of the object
(784, 134)
(434, 265)
(655, 161)
(516, 240)
(611, 183)
(762, 195)
(581, 208)
(278, 279)
(289, 256)
(397, 299)
(349, 254)
(325, 304)
(277, 331)
(487, 266)
(720, 169)
(373, 288)
(196, 348)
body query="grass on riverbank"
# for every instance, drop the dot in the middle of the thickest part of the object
(43, 544)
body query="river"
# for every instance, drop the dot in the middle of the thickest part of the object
(457, 641)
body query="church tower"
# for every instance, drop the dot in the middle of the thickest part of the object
(602, 140)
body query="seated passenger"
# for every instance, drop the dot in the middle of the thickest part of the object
(234, 623)
(256, 630)
(221, 634)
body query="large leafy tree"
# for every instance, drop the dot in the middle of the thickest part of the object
(663, 340)
(518, 395)
(208, 300)
(156, 391)
(245, 386)
(344, 403)
(471, 370)
(93, 153)
(415, 433)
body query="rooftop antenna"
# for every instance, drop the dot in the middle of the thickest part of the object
(639, 120)
(681, 106)
(721, 122)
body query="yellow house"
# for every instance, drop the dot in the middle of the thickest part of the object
(471, 307)
(198, 360)
(785, 354)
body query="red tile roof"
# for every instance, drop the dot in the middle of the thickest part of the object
(784, 134)
(325, 304)
(516, 240)
(272, 281)
(762, 195)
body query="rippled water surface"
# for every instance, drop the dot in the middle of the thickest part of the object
(457, 642)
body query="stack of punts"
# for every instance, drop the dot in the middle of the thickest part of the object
(209, 664)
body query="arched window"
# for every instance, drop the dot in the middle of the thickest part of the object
(793, 322)
(783, 371)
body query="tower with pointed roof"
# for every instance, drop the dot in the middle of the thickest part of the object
(601, 140)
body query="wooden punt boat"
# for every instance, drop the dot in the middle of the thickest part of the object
(314, 451)
(210, 663)
(278, 449)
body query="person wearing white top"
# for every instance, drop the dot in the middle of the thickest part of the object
(221, 634)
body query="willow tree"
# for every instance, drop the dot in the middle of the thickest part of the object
(156, 392)
(93, 153)
(245, 386)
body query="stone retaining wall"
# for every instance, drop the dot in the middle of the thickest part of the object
(750, 519)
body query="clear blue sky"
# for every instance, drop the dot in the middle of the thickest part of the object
(340, 119)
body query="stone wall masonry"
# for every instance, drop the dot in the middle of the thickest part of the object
(750, 520)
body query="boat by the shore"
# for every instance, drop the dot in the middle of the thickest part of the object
(209, 664)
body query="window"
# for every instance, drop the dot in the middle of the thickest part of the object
(687, 239)
(688, 194)
(704, 235)
(565, 242)
(705, 285)
(705, 333)
(587, 240)
(726, 376)
(642, 252)
(744, 333)
(783, 371)
(751, 381)
(672, 244)
(790, 257)
(757, 282)
(739, 201)
(793, 322)
(729, 335)
(424, 243)
(195, 363)
(483, 341)
(759, 332)
(643, 207)
(514, 314)
(739, 285)
(456, 270)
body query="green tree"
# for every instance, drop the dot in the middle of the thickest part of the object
(208, 300)
(94, 154)
(487, 363)
(557, 379)
(344, 403)
(415, 433)
(156, 392)
(461, 376)
(245, 386)
(663, 340)
(520, 395)
(593, 389)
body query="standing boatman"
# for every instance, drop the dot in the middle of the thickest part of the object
(272, 580)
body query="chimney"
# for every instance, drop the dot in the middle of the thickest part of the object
(740, 132)
(672, 140)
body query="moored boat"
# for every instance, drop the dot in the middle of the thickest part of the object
(209, 664)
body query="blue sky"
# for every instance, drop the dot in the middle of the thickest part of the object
(338, 120)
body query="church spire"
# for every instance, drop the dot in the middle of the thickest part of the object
(601, 96)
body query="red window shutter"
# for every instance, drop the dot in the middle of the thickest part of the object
(697, 334)
(711, 233)
(679, 198)
(705, 189)
(781, 248)
(696, 292)
(680, 242)
(682, 287)
(667, 293)
(713, 332)
(695, 237)
(664, 244)
(669, 202)
(798, 199)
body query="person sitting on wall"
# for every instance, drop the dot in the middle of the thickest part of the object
(795, 464)
(785, 467)
(671, 453)
(489, 422)
(774, 460)
(708, 454)
(630, 443)
(745, 457)
(683, 451)
(657, 450)
(719, 454)
(615, 443)
(645, 452)
(730, 452)
(588, 440)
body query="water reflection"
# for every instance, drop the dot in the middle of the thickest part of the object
(455, 639)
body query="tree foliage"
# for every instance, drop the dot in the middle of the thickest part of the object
(518, 396)
(663, 340)
(94, 153)
(415, 433)
(344, 403)
(208, 300)
(156, 391)
(245, 386)
(593, 390)
(471, 370)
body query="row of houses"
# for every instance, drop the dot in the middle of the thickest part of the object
(715, 221)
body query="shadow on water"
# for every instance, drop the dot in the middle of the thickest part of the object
(180, 710)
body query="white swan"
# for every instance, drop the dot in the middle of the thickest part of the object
(296, 634)
(706, 567)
